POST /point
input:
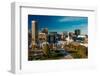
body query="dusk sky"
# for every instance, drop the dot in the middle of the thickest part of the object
(60, 23)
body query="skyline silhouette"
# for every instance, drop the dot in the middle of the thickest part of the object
(59, 23)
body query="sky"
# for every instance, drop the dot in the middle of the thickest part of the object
(59, 23)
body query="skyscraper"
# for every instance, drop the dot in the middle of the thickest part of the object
(77, 32)
(34, 31)
(52, 37)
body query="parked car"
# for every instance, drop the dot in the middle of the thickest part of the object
(58, 53)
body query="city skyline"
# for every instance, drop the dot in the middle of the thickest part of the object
(59, 23)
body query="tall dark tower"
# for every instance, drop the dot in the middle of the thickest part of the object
(77, 32)
(52, 37)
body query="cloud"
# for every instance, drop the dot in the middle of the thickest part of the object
(66, 19)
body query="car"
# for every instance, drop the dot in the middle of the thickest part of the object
(58, 53)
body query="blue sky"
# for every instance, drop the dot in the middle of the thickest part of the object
(60, 23)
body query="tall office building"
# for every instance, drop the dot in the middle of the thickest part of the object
(52, 37)
(34, 31)
(77, 32)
